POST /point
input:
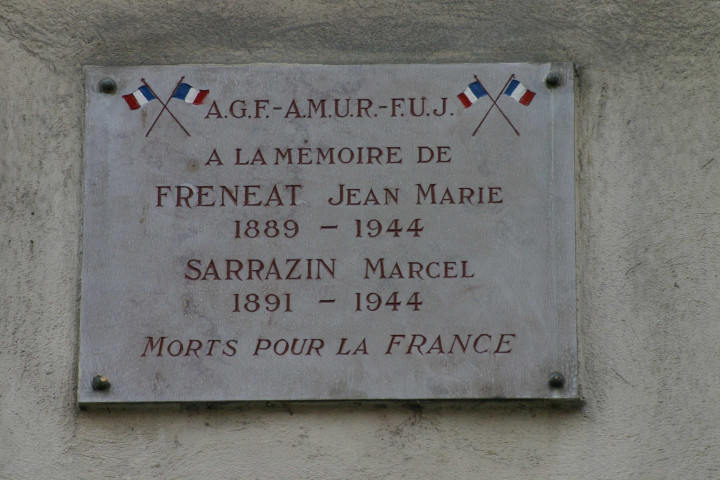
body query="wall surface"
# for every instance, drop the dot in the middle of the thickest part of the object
(648, 237)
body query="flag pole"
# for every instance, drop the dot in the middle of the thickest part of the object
(494, 105)
(165, 106)
(498, 106)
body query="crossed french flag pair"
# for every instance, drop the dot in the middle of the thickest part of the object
(184, 92)
(515, 90)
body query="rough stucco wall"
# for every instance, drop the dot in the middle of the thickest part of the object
(648, 236)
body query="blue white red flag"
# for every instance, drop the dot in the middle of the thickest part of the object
(139, 97)
(188, 94)
(471, 94)
(519, 93)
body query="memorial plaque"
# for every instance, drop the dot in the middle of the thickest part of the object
(309, 232)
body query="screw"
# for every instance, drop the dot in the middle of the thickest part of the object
(556, 380)
(553, 80)
(107, 85)
(100, 383)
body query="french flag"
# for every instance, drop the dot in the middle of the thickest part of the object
(471, 94)
(188, 94)
(519, 93)
(139, 97)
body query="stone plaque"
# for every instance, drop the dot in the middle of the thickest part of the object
(309, 232)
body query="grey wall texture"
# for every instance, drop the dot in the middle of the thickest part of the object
(648, 237)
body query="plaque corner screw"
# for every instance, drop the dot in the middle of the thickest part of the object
(553, 80)
(107, 85)
(100, 383)
(556, 380)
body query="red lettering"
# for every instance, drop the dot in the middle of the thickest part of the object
(415, 268)
(184, 197)
(250, 192)
(456, 338)
(396, 104)
(170, 346)
(191, 266)
(316, 107)
(232, 348)
(214, 111)
(152, 344)
(238, 155)
(212, 345)
(393, 152)
(393, 341)
(443, 155)
(313, 346)
(504, 342)
(202, 194)
(466, 194)
(212, 271)
(282, 351)
(412, 344)
(262, 344)
(412, 107)
(193, 347)
(229, 264)
(302, 347)
(161, 194)
(475, 343)
(214, 158)
(425, 154)
(363, 105)
(427, 269)
(260, 106)
(255, 266)
(243, 108)
(450, 269)
(340, 349)
(465, 273)
(293, 110)
(437, 345)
